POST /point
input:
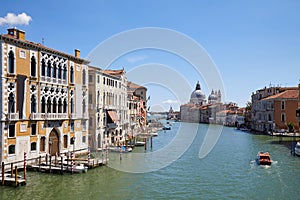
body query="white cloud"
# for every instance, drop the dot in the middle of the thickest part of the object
(134, 59)
(12, 19)
(169, 101)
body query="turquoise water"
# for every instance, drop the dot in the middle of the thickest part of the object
(227, 172)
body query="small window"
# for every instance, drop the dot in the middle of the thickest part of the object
(12, 149)
(11, 130)
(33, 146)
(22, 54)
(98, 79)
(23, 128)
(282, 105)
(33, 129)
(83, 139)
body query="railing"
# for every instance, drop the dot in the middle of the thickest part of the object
(53, 80)
(73, 116)
(111, 125)
(13, 116)
(48, 116)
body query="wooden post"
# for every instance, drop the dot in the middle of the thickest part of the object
(151, 142)
(67, 162)
(46, 159)
(55, 161)
(62, 165)
(16, 176)
(40, 158)
(3, 173)
(25, 166)
(11, 169)
(50, 163)
(145, 140)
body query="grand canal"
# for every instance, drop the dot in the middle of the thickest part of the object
(227, 172)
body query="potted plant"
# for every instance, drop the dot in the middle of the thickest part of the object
(291, 127)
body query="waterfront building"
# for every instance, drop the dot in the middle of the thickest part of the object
(173, 115)
(137, 107)
(198, 110)
(108, 108)
(274, 108)
(43, 99)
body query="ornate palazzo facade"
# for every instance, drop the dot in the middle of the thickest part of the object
(44, 96)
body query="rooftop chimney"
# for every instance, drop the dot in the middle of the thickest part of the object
(77, 53)
(18, 34)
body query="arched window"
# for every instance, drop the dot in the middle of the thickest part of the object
(33, 67)
(72, 106)
(43, 68)
(72, 74)
(60, 106)
(54, 70)
(11, 103)
(59, 71)
(49, 69)
(104, 98)
(83, 77)
(98, 98)
(65, 141)
(33, 104)
(65, 106)
(65, 72)
(42, 144)
(49, 105)
(11, 62)
(43, 105)
(54, 105)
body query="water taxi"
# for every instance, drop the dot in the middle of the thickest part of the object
(263, 158)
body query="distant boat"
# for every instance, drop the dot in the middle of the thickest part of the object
(122, 149)
(166, 128)
(297, 149)
(154, 134)
(139, 143)
(263, 158)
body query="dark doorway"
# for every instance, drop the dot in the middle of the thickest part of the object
(53, 143)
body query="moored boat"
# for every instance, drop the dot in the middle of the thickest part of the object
(263, 158)
(297, 149)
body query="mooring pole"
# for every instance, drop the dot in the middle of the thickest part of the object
(3, 173)
(25, 166)
(16, 176)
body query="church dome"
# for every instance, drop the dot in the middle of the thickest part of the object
(213, 96)
(198, 96)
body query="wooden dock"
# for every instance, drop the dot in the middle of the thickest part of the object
(13, 180)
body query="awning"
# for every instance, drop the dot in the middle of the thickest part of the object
(113, 115)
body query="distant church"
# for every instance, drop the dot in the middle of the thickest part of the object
(199, 110)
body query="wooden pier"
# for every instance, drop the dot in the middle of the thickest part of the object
(12, 178)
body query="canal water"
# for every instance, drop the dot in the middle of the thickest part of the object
(227, 172)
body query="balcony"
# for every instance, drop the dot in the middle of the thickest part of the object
(13, 116)
(111, 125)
(48, 116)
(73, 116)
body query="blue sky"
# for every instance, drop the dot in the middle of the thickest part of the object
(252, 43)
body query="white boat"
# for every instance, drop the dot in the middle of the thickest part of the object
(297, 149)
(78, 168)
(139, 143)
(154, 134)
(122, 149)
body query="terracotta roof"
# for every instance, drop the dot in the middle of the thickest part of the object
(288, 94)
(117, 73)
(132, 85)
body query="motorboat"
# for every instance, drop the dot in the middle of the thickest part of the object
(263, 158)
(139, 143)
(122, 149)
(154, 134)
(297, 149)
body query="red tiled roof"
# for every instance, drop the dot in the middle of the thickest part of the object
(117, 73)
(134, 86)
(288, 94)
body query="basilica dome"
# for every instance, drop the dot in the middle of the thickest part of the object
(198, 96)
